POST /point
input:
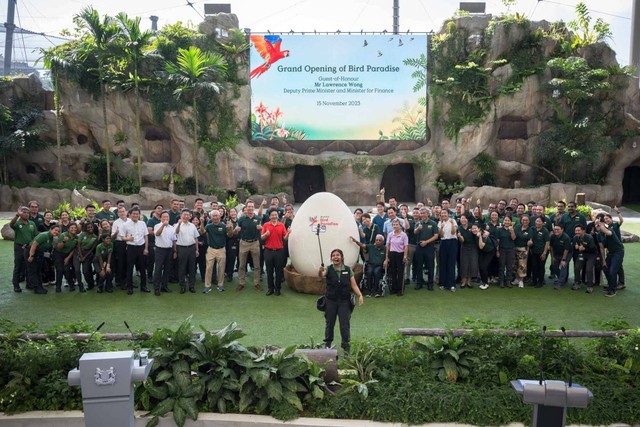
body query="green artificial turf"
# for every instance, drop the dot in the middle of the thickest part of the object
(293, 319)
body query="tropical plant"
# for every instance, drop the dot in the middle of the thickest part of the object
(449, 357)
(266, 125)
(234, 49)
(97, 41)
(485, 166)
(231, 201)
(196, 73)
(19, 132)
(584, 34)
(134, 42)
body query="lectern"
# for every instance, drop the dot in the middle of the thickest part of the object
(550, 400)
(106, 380)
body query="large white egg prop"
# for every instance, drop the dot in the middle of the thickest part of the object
(337, 225)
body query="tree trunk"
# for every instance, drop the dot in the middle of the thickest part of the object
(56, 102)
(195, 145)
(107, 146)
(138, 141)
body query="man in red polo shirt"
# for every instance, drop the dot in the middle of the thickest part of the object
(274, 233)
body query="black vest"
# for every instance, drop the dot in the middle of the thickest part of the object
(338, 288)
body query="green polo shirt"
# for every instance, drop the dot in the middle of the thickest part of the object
(44, 241)
(216, 234)
(540, 239)
(174, 216)
(109, 216)
(70, 244)
(37, 220)
(488, 244)
(248, 230)
(429, 229)
(522, 236)
(104, 251)
(504, 237)
(87, 241)
(24, 233)
(492, 229)
(587, 242)
(376, 255)
(611, 243)
(413, 238)
(570, 223)
(560, 244)
(469, 237)
(480, 222)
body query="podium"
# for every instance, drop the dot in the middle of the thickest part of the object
(551, 399)
(106, 380)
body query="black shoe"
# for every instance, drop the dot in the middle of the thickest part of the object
(539, 285)
(145, 290)
(89, 287)
(129, 291)
(156, 292)
(134, 285)
(40, 291)
(99, 290)
(269, 292)
(58, 289)
(278, 292)
(228, 278)
(192, 290)
(17, 289)
(82, 289)
(183, 290)
(167, 290)
(109, 291)
(417, 288)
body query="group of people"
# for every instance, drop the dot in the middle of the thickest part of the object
(507, 245)
(104, 248)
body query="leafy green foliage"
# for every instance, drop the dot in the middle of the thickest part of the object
(447, 188)
(97, 173)
(585, 34)
(449, 357)
(485, 166)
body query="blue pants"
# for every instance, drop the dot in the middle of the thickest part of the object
(424, 259)
(614, 263)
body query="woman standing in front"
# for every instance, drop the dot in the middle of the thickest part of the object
(447, 229)
(340, 284)
(397, 252)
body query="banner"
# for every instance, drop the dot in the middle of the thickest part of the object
(347, 87)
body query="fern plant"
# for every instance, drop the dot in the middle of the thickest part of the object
(448, 357)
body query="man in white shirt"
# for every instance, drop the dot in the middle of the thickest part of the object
(136, 238)
(186, 250)
(119, 257)
(165, 245)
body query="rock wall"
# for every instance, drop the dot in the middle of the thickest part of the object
(353, 170)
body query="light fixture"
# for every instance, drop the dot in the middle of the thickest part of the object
(634, 145)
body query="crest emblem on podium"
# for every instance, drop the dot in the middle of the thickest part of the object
(105, 377)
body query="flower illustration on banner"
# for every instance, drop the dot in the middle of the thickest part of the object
(265, 125)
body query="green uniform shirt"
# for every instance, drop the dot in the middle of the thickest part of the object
(44, 240)
(339, 272)
(492, 229)
(104, 251)
(615, 227)
(24, 233)
(480, 222)
(539, 238)
(87, 241)
(37, 220)
(69, 245)
(216, 235)
(560, 244)
(413, 238)
(174, 217)
(248, 230)
(429, 229)
(109, 216)
(570, 223)
(611, 243)
(376, 255)
(504, 239)
(522, 236)
(469, 238)
(488, 244)
(587, 242)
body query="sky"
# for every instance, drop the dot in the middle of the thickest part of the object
(51, 16)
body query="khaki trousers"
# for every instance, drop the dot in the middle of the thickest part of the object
(218, 256)
(245, 248)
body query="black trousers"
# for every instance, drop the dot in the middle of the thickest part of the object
(162, 263)
(19, 264)
(63, 270)
(84, 268)
(537, 270)
(233, 249)
(274, 261)
(395, 270)
(374, 274)
(34, 270)
(119, 262)
(201, 260)
(424, 259)
(151, 256)
(583, 267)
(104, 282)
(187, 266)
(135, 258)
(341, 311)
(484, 260)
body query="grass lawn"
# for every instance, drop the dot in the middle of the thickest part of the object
(293, 319)
(634, 206)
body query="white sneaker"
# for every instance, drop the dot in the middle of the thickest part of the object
(514, 282)
(483, 286)
(520, 284)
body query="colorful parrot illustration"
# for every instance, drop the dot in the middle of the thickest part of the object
(269, 49)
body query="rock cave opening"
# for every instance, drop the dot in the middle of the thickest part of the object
(630, 187)
(513, 128)
(399, 181)
(82, 139)
(307, 180)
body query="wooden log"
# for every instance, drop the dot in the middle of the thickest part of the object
(104, 337)
(440, 332)
(326, 358)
